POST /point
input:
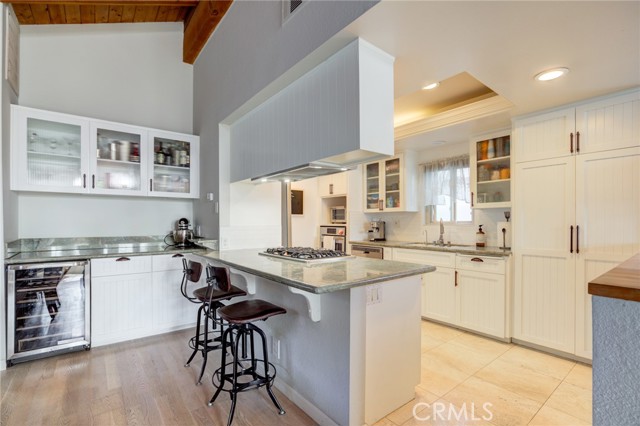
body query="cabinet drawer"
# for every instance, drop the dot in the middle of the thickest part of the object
(168, 262)
(434, 258)
(122, 265)
(494, 265)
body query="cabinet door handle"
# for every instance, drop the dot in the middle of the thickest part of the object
(122, 259)
(577, 239)
(476, 259)
(577, 141)
(330, 189)
(150, 185)
(571, 239)
(471, 198)
(177, 255)
(571, 144)
(380, 205)
(456, 279)
(93, 181)
(84, 180)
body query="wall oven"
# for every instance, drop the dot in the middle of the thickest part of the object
(48, 309)
(333, 237)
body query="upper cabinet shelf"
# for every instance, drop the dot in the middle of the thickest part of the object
(491, 170)
(54, 152)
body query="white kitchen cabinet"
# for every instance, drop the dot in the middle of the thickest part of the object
(575, 216)
(54, 152)
(389, 185)
(176, 175)
(121, 299)
(482, 294)
(171, 311)
(464, 291)
(48, 151)
(117, 166)
(333, 185)
(490, 166)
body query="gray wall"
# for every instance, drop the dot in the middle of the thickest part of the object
(616, 362)
(130, 73)
(249, 49)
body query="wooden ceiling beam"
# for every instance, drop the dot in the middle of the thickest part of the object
(200, 25)
(181, 3)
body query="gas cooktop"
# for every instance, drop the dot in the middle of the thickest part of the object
(306, 254)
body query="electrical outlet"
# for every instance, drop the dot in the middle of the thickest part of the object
(225, 243)
(275, 347)
(374, 294)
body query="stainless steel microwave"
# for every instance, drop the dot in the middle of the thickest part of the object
(338, 214)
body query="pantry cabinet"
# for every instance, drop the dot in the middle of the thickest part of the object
(464, 291)
(587, 222)
(390, 185)
(490, 164)
(55, 152)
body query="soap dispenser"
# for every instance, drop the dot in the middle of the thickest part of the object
(481, 237)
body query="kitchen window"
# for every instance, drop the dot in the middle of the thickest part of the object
(447, 190)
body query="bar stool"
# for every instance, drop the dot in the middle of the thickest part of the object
(240, 318)
(210, 299)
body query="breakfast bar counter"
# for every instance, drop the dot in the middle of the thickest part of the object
(347, 351)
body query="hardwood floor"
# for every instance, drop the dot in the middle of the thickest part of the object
(142, 382)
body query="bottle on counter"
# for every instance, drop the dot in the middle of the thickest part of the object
(481, 238)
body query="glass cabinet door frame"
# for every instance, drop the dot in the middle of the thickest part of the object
(491, 185)
(194, 146)
(95, 125)
(19, 149)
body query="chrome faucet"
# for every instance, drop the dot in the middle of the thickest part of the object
(441, 239)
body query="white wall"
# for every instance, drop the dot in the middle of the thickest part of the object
(130, 73)
(305, 228)
(237, 63)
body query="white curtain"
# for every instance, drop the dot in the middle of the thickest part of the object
(446, 177)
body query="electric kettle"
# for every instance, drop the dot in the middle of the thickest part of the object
(182, 234)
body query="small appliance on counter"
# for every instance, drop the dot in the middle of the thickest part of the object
(182, 235)
(376, 230)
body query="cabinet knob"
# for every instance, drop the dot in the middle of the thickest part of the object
(177, 255)
(456, 279)
(122, 259)
(476, 259)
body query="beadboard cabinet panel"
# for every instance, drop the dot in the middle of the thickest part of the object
(340, 111)
(120, 266)
(611, 123)
(543, 136)
(482, 302)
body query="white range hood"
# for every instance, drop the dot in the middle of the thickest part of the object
(337, 115)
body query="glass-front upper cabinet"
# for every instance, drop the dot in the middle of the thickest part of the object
(390, 184)
(118, 158)
(173, 173)
(491, 170)
(47, 153)
(372, 186)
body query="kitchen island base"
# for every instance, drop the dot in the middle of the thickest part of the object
(355, 365)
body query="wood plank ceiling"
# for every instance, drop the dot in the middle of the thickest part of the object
(200, 17)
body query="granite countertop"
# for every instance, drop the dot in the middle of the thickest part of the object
(621, 282)
(63, 249)
(461, 249)
(318, 277)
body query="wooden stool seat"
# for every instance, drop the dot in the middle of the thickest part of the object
(249, 311)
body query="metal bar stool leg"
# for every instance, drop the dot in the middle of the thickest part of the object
(197, 337)
(266, 371)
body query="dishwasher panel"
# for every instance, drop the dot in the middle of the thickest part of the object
(48, 309)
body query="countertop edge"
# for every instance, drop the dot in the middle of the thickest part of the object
(621, 282)
(487, 251)
(420, 269)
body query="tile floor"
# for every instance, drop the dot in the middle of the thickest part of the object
(461, 372)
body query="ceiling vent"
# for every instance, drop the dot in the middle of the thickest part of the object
(289, 7)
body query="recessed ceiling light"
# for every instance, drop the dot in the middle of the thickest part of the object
(431, 86)
(551, 74)
(344, 169)
(263, 180)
